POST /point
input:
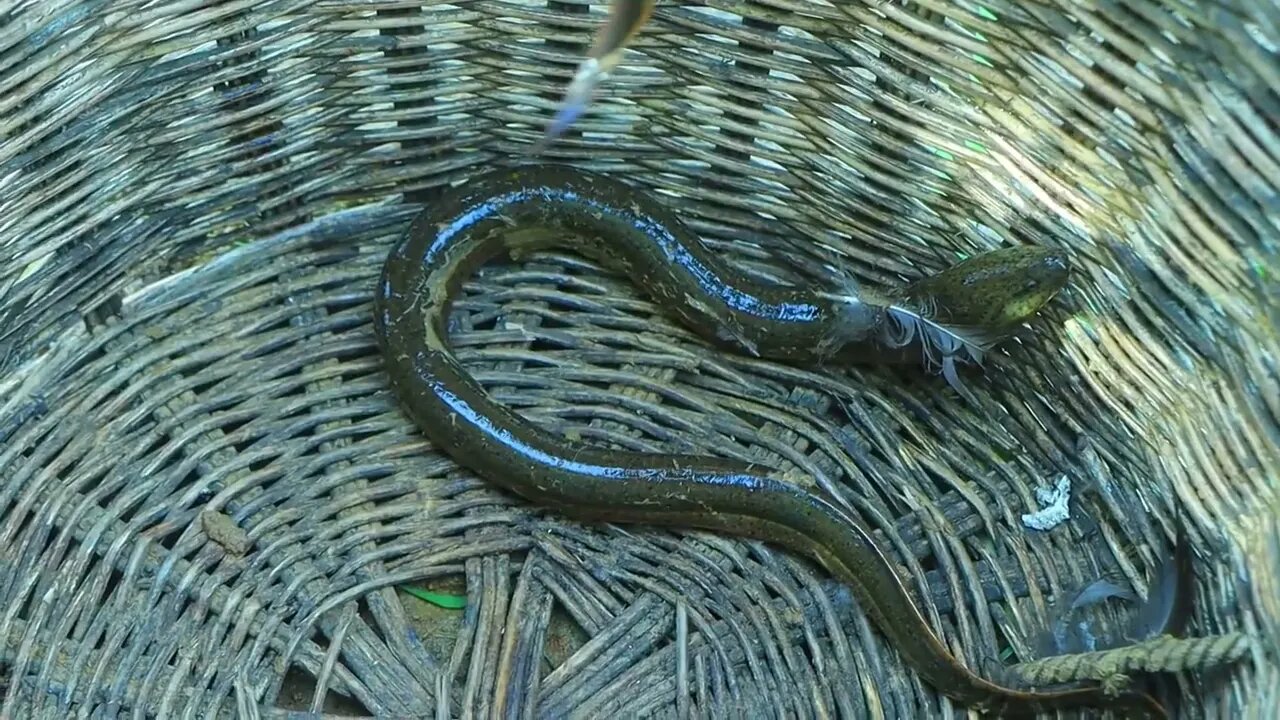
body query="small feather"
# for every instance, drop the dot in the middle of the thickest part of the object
(1098, 591)
(942, 346)
(1168, 605)
(1066, 633)
(576, 100)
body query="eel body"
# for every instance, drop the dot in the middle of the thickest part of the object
(519, 210)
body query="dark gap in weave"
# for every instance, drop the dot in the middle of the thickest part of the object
(208, 382)
(402, 72)
(908, 70)
(1108, 78)
(101, 312)
(1089, 95)
(166, 535)
(236, 96)
(95, 477)
(114, 580)
(245, 442)
(366, 614)
(482, 322)
(544, 344)
(301, 687)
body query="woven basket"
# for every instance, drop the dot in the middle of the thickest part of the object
(211, 505)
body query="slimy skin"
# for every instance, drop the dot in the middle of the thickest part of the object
(523, 209)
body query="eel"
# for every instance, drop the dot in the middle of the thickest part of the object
(522, 209)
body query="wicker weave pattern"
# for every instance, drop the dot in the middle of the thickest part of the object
(195, 200)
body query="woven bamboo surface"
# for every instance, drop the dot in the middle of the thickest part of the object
(208, 496)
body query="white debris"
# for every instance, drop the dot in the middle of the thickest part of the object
(1053, 502)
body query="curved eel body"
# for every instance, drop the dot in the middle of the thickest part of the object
(522, 209)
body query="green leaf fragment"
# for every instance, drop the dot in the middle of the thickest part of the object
(444, 600)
